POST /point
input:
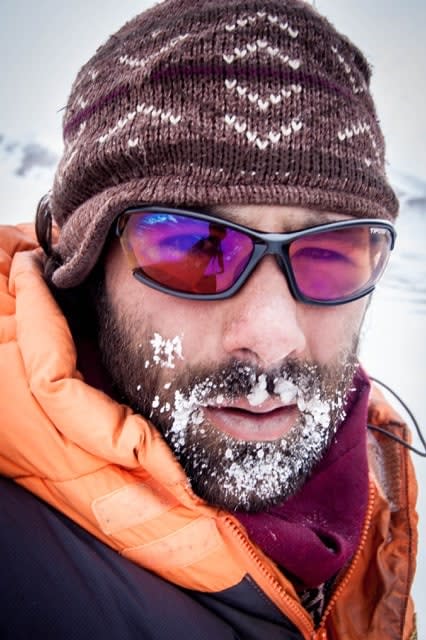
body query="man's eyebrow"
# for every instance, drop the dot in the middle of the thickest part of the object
(228, 215)
(309, 218)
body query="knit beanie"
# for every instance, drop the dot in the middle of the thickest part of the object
(203, 102)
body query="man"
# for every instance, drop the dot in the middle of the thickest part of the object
(181, 396)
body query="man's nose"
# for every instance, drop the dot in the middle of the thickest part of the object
(262, 324)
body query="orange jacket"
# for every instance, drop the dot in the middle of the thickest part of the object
(110, 471)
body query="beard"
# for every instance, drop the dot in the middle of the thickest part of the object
(147, 373)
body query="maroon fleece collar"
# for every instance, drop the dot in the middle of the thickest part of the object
(315, 533)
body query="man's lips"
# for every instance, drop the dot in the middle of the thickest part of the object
(265, 422)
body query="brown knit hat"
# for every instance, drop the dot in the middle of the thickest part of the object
(217, 101)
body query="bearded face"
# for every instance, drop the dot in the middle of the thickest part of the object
(287, 415)
(248, 392)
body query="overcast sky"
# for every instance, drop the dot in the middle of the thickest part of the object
(43, 44)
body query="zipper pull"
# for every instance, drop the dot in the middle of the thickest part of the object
(321, 634)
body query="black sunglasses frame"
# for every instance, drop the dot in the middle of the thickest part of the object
(276, 244)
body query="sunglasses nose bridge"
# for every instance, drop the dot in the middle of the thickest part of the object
(278, 247)
(274, 245)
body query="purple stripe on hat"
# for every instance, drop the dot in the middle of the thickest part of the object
(87, 112)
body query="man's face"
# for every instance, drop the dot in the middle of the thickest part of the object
(248, 391)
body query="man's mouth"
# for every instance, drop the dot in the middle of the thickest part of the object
(268, 421)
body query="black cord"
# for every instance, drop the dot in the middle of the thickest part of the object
(414, 421)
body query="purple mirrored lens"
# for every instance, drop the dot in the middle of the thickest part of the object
(338, 264)
(187, 254)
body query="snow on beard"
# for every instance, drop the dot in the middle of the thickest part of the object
(252, 475)
(149, 373)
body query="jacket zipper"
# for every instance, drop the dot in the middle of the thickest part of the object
(280, 597)
(321, 632)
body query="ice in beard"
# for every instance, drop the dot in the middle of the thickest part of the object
(248, 475)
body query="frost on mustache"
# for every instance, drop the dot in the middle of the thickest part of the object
(259, 393)
(286, 389)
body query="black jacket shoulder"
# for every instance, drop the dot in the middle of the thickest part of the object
(58, 581)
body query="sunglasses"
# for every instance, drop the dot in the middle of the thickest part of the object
(201, 257)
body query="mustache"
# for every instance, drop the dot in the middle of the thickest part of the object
(236, 379)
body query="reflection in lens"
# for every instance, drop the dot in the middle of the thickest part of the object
(187, 254)
(338, 264)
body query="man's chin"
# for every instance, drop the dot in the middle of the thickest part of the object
(232, 498)
(238, 474)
